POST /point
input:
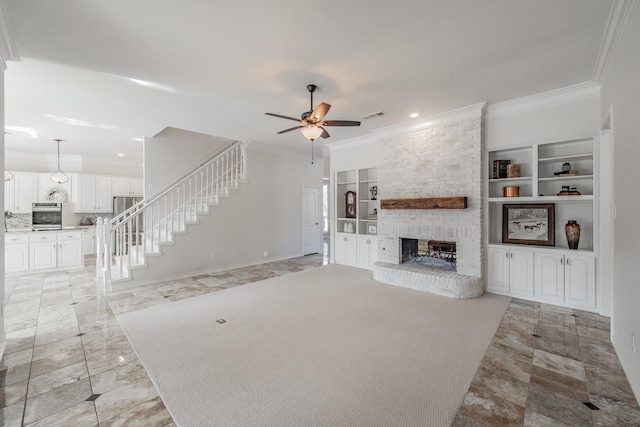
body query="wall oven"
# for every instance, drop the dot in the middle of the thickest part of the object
(52, 216)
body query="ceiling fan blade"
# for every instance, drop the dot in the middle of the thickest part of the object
(290, 129)
(340, 123)
(283, 117)
(325, 134)
(319, 112)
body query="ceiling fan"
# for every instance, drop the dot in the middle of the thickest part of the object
(311, 122)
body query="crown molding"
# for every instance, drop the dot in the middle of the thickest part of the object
(622, 13)
(544, 99)
(8, 51)
(465, 113)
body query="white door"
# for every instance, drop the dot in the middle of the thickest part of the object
(311, 221)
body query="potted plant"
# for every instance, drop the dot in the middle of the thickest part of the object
(7, 214)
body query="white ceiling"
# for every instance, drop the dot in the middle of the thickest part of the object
(99, 74)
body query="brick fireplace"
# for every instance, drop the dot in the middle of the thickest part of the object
(442, 158)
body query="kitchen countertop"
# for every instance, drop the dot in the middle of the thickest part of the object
(28, 230)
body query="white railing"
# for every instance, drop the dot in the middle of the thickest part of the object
(125, 241)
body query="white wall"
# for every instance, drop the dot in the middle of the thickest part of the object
(173, 151)
(622, 91)
(565, 119)
(71, 163)
(265, 215)
(3, 341)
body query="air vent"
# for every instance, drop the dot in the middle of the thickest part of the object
(373, 115)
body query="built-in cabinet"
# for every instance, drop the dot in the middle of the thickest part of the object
(93, 194)
(43, 251)
(556, 274)
(565, 278)
(16, 253)
(90, 193)
(510, 271)
(356, 218)
(127, 187)
(89, 241)
(21, 192)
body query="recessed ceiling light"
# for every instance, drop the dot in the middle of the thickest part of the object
(413, 115)
(120, 155)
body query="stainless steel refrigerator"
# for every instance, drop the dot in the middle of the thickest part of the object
(121, 204)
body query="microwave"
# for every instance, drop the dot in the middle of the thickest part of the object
(52, 216)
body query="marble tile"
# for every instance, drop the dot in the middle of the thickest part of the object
(555, 407)
(558, 342)
(45, 383)
(559, 364)
(490, 409)
(564, 385)
(57, 361)
(464, 420)
(13, 393)
(501, 385)
(509, 361)
(56, 347)
(61, 398)
(12, 415)
(117, 377)
(149, 414)
(14, 374)
(57, 335)
(16, 358)
(125, 398)
(82, 414)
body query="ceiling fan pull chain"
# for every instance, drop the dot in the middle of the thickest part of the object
(311, 152)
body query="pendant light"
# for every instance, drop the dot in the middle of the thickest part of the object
(58, 176)
(8, 175)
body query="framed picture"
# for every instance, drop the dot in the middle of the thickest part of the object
(532, 224)
(372, 229)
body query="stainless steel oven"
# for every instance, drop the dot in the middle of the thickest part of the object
(46, 216)
(53, 216)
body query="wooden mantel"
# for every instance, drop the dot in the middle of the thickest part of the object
(425, 203)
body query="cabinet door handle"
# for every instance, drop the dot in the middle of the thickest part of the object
(567, 261)
(562, 260)
(507, 254)
(511, 255)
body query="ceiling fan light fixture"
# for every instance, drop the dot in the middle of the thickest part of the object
(311, 132)
(58, 176)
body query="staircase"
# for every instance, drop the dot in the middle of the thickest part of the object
(125, 242)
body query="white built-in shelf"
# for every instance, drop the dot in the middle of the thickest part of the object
(521, 178)
(563, 159)
(347, 183)
(565, 177)
(538, 199)
(549, 248)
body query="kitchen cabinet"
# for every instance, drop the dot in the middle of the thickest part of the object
(510, 271)
(346, 249)
(16, 253)
(43, 251)
(89, 241)
(94, 194)
(367, 251)
(565, 278)
(69, 249)
(127, 187)
(21, 192)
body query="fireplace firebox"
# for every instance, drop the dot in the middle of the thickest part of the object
(429, 253)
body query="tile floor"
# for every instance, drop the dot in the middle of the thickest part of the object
(68, 363)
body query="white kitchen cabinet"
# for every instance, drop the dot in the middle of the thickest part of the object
(54, 250)
(346, 249)
(42, 251)
(367, 251)
(510, 271)
(94, 194)
(69, 249)
(23, 193)
(89, 241)
(16, 253)
(566, 278)
(123, 186)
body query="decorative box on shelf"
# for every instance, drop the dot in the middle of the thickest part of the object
(373, 216)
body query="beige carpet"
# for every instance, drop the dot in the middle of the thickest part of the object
(323, 347)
